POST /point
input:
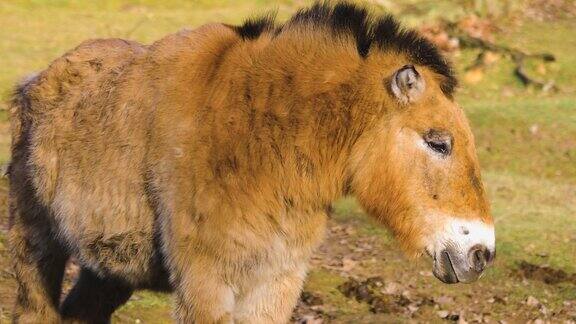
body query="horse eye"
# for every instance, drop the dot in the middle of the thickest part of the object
(440, 147)
(439, 142)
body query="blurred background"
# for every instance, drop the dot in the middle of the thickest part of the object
(516, 60)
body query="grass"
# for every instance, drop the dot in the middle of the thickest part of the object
(526, 140)
(531, 137)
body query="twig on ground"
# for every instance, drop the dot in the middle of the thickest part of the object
(519, 57)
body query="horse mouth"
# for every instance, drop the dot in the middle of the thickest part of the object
(444, 270)
(452, 270)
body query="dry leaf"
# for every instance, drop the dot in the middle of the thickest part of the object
(442, 313)
(444, 300)
(348, 264)
(532, 301)
(474, 75)
(391, 288)
(490, 58)
(309, 319)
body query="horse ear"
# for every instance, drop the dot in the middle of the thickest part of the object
(407, 84)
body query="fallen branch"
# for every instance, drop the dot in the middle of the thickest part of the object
(519, 57)
(527, 80)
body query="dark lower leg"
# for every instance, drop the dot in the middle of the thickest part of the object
(93, 299)
(38, 265)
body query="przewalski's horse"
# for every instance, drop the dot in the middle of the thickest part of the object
(206, 164)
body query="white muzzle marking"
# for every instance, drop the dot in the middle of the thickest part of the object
(464, 234)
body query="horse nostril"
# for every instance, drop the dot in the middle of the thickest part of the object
(479, 256)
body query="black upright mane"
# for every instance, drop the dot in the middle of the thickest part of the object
(348, 19)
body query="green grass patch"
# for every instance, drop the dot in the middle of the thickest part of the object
(526, 136)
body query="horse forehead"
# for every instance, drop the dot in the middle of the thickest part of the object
(450, 116)
(437, 113)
